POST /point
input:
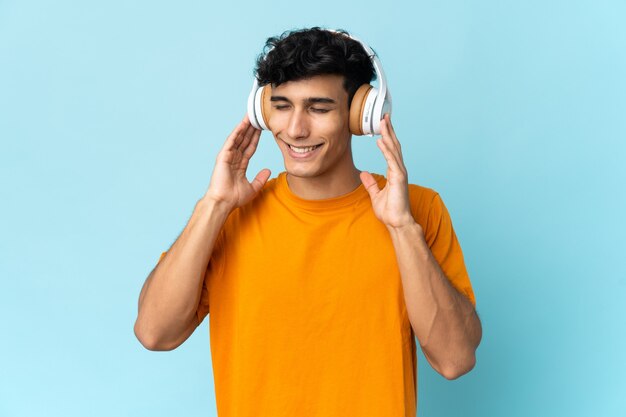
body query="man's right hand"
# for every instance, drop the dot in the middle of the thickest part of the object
(229, 185)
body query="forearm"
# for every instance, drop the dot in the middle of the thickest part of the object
(170, 296)
(443, 320)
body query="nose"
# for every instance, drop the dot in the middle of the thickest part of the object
(298, 125)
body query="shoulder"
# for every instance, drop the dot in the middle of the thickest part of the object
(270, 185)
(421, 197)
(255, 206)
(273, 184)
(422, 200)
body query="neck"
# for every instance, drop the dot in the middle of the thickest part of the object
(325, 186)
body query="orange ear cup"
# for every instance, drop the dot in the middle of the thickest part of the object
(356, 109)
(266, 104)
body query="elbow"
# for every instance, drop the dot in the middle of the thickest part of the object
(151, 340)
(451, 367)
(455, 370)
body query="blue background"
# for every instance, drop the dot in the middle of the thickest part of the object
(112, 114)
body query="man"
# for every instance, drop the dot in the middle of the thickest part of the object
(319, 280)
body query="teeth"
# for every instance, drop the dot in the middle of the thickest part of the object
(303, 150)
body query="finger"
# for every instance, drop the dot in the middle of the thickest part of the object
(397, 153)
(387, 131)
(246, 137)
(235, 136)
(369, 183)
(390, 125)
(260, 179)
(247, 153)
(392, 137)
(251, 148)
(390, 157)
(386, 135)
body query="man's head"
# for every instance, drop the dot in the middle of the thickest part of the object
(313, 75)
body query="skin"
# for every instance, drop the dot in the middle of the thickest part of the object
(299, 116)
(170, 295)
(443, 320)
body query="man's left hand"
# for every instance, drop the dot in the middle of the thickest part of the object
(391, 204)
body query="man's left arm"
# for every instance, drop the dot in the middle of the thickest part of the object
(443, 320)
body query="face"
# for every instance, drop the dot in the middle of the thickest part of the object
(310, 123)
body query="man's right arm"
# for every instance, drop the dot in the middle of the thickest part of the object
(170, 296)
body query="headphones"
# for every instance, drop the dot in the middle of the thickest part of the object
(367, 108)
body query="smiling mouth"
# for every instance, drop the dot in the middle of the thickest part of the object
(299, 149)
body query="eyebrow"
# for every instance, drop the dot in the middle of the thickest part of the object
(309, 100)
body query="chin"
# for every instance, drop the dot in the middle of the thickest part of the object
(301, 172)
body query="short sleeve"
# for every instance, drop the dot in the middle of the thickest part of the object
(446, 249)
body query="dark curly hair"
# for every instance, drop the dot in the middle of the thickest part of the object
(301, 54)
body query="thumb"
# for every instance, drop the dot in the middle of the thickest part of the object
(260, 179)
(370, 183)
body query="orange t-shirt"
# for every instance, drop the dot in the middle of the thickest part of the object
(307, 315)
